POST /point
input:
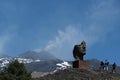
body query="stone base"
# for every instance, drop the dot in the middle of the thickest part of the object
(81, 64)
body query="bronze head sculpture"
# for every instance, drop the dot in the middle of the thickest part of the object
(79, 51)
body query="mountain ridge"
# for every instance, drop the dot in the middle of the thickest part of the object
(45, 63)
(34, 61)
(44, 55)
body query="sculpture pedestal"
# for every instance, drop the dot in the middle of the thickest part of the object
(81, 64)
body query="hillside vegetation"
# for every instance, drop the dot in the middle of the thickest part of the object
(81, 74)
(15, 71)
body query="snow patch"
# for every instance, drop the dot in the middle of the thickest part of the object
(62, 66)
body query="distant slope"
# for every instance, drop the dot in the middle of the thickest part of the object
(95, 64)
(43, 66)
(43, 55)
(38, 61)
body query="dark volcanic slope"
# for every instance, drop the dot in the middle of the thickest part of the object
(80, 74)
(43, 66)
(43, 55)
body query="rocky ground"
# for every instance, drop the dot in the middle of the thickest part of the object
(80, 74)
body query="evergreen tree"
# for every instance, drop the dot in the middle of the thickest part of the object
(15, 71)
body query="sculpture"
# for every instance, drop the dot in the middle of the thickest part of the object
(79, 51)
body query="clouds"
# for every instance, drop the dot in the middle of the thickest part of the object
(57, 26)
(104, 11)
(4, 39)
(7, 24)
(62, 45)
(66, 36)
(63, 42)
(6, 36)
(99, 23)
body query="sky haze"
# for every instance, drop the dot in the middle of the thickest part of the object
(57, 25)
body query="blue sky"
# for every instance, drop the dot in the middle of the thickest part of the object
(57, 25)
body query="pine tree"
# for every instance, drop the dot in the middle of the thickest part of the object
(15, 71)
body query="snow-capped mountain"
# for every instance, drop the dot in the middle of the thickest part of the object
(34, 61)
(24, 60)
(33, 56)
(43, 62)
(4, 61)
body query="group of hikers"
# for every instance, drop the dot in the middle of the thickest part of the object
(104, 66)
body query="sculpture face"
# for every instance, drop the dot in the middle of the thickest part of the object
(79, 51)
(83, 49)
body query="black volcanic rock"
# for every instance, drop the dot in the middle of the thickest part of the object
(43, 66)
(43, 55)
